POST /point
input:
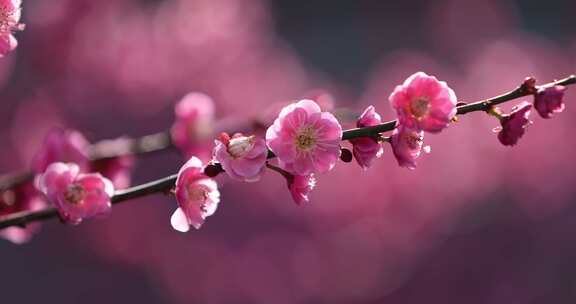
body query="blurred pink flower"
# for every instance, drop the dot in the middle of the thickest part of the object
(300, 186)
(305, 139)
(242, 157)
(62, 146)
(76, 196)
(193, 124)
(424, 103)
(10, 12)
(548, 101)
(117, 169)
(196, 194)
(407, 146)
(23, 197)
(514, 124)
(366, 149)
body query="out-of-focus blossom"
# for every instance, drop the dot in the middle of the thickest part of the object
(10, 12)
(407, 146)
(242, 157)
(117, 169)
(305, 139)
(22, 197)
(197, 196)
(424, 103)
(514, 124)
(549, 100)
(62, 146)
(193, 124)
(300, 186)
(366, 149)
(76, 196)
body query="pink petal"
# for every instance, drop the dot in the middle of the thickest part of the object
(179, 221)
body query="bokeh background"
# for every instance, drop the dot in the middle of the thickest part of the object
(475, 223)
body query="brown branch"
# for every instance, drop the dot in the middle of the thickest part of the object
(102, 150)
(165, 184)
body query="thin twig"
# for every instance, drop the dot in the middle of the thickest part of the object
(165, 184)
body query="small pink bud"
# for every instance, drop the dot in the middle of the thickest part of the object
(424, 103)
(197, 196)
(407, 146)
(76, 196)
(549, 100)
(366, 149)
(242, 157)
(305, 139)
(529, 85)
(514, 124)
(300, 186)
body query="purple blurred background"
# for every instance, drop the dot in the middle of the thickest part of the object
(475, 223)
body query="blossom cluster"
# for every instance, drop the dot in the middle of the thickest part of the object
(301, 143)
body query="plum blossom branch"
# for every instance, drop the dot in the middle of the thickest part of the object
(102, 150)
(166, 184)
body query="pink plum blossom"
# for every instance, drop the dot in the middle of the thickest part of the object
(424, 103)
(514, 124)
(366, 149)
(10, 13)
(76, 196)
(549, 100)
(407, 146)
(193, 124)
(300, 186)
(20, 198)
(197, 196)
(305, 139)
(62, 146)
(242, 157)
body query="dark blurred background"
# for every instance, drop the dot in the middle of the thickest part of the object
(475, 223)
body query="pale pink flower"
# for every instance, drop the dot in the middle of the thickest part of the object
(62, 146)
(76, 196)
(407, 146)
(514, 124)
(242, 157)
(305, 139)
(424, 103)
(197, 196)
(10, 13)
(366, 149)
(549, 100)
(300, 186)
(20, 198)
(193, 124)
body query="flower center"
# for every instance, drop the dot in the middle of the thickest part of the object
(414, 140)
(196, 193)
(419, 107)
(7, 23)
(240, 146)
(305, 139)
(75, 194)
